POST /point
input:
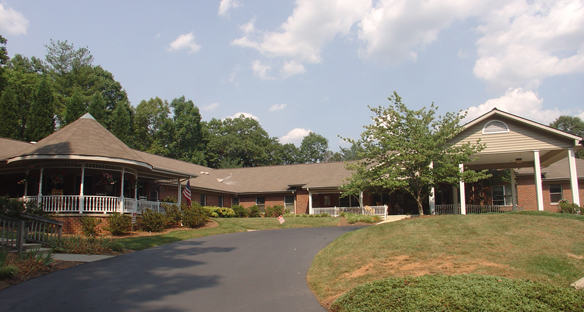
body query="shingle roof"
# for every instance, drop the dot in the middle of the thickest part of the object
(83, 137)
(556, 171)
(12, 147)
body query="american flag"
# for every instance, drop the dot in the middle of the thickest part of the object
(187, 193)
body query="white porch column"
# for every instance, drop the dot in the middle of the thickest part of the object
(462, 193)
(179, 198)
(538, 186)
(40, 196)
(573, 177)
(454, 199)
(513, 191)
(81, 194)
(309, 202)
(26, 184)
(432, 197)
(122, 190)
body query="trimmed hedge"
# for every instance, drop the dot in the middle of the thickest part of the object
(218, 212)
(459, 293)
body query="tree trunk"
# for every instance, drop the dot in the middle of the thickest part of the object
(420, 206)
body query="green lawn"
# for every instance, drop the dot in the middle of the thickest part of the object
(226, 225)
(542, 247)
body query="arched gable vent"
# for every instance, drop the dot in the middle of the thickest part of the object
(495, 126)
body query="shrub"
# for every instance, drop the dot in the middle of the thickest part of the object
(459, 293)
(88, 246)
(119, 224)
(240, 211)
(173, 213)
(218, 212)
(11, 207)
(169, 199)
(154, 221)
(194, 216)
(567, 207)
(89, 226)
(8, 271)
(324, 215)
(352, 218)
(275, 211)
(254, 211)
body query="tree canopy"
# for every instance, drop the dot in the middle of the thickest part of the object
(570, 124)
(410, 150)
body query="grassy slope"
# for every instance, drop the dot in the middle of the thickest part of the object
(228, 225)
(538, 247)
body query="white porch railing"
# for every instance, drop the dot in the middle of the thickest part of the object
(94, 204)
(474, 209)
(59, 203)
(368, 210)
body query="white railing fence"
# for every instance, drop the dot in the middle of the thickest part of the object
(367, 210)
(474, 209)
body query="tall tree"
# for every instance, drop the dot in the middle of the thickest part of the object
(151, 121)
(42, 112)
(121, 125)
(189, 141)
(289, 154)
(97, 109)
(570, 124)
(400, 146)
(3, 61)
(75, 108)
(22, 82)
(349, 153)
(9, 121)
(313, 148)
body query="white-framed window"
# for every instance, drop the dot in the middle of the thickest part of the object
(220, 201)
(495, 126)
(555, 193)
(289, 203)
(203, 200)
(502, 195)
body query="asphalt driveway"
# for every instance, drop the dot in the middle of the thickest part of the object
(251, 271)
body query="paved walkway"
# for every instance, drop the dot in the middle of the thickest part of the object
(249, 271)
(79, 258)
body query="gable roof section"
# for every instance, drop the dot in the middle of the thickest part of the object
(12, 147)
(84, 138)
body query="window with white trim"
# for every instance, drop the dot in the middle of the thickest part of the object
(495, 126)
(555, 193)
(261, 203)
(502, 195)
(203, 201)
(220, 201)
(289, 203)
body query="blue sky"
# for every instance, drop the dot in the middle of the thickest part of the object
(315, 65)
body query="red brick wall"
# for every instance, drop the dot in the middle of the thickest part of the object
(72, 223)
(527, 197)
(301, 201)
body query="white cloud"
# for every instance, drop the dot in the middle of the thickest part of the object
(277, 107)
(526, 42)
(261, 70)
(524, 103)
(185, 42)
(295, 136)
(12, 22)
(226, 5)
(210, 107)
(292, 68)
(246, 115)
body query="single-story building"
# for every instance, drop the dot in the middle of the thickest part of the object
(83, 168)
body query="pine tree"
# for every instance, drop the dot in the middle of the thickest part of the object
(75, 108)
(97, 108)
(41, 122)
(121, 125)
(9, 125)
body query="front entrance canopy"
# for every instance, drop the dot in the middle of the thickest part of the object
(515, 142)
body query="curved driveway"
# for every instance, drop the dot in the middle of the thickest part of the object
(250, 271)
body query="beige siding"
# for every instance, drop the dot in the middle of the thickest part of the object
(519, 138)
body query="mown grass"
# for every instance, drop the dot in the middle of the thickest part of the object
(226, 225)
(541, 247)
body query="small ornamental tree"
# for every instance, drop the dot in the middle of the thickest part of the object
(411, 151)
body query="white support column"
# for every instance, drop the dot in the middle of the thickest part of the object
(179, 198)
(573, 177)
(513, 190)
(462, 193)
(81, 193)
(455, 199)
(432, 197)
(309, 202)
(40, 196)
(136, 190)
(538, 185)
(122, 190)
(26, 184)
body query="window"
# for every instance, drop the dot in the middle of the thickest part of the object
(349, 201)
(203, 200)
(495, 126)
(555, 193)
(502, 195)
(327, 200)
(289, 203)
(219, 201)
(234, 201)
(261, 202)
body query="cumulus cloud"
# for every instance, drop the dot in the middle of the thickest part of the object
(526, 42)
(210, 107)
(277, 107)
(185, 42)
(246, 115)
(261, 70)
(524, 103)
(295, 136)
(292, 68)
(226, 5)
(12, 22)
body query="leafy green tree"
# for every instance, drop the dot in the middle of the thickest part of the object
(353, 152)
(289, 154)
(189, 140)
(97, 108)
(150, 119)
(22, 84)
(570, 124)
(9, 121)
(240, 140)
(42, 112)
(400, 146)
(3, 61)
(121, 125)
(75, 108)
(313, 148)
